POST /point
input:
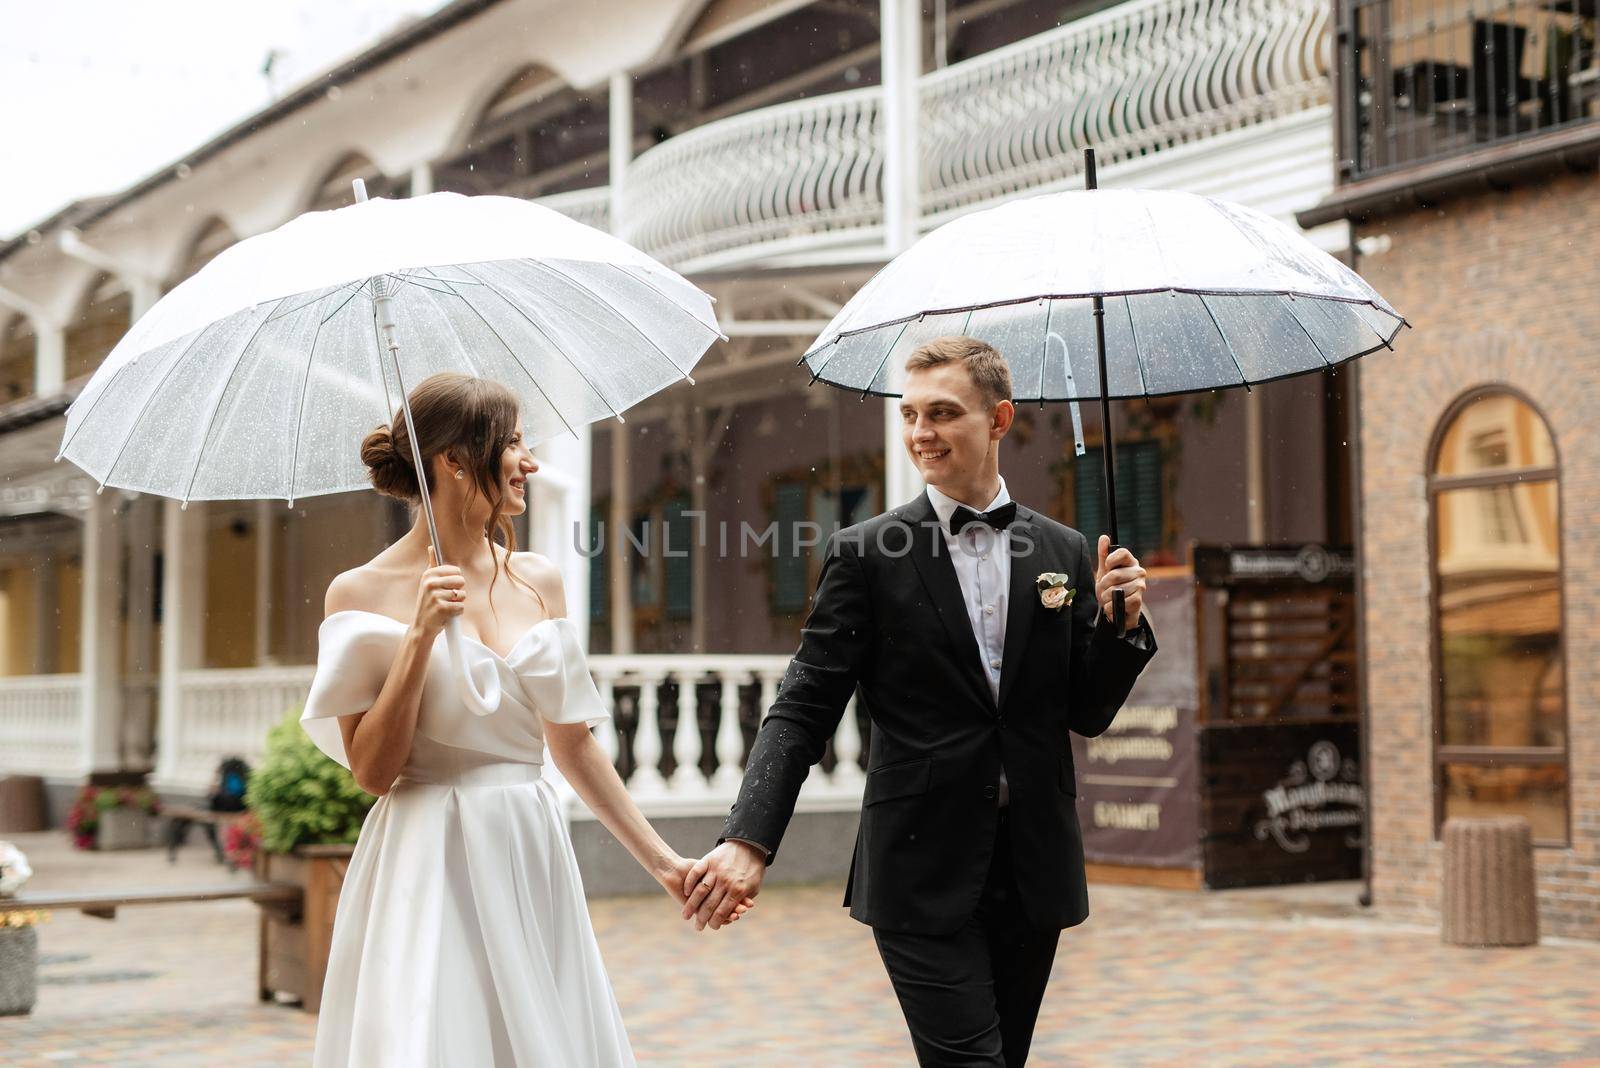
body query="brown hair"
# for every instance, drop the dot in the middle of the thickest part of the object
(471, 420)
(983, 361)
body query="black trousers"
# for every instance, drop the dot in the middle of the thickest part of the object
(971, 998)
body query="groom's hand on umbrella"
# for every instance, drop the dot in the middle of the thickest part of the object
(723, 885)
(1119, 571)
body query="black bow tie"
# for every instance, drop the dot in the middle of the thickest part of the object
(1000, 518)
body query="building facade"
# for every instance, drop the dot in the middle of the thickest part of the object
(774, 152)
(1469, 140)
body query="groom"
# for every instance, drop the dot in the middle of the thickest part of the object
(952, 616)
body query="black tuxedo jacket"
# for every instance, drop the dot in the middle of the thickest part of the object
(889, 618)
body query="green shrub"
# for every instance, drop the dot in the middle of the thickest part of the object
(301, 796)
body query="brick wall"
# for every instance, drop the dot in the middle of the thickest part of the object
(1501, 288)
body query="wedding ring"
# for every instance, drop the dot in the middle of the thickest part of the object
(709, 884)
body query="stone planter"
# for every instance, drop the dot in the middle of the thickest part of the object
(294, 949)
(19, 970)
(123, 828)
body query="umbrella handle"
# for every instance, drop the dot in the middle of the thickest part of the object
(482, 703)
(1119, 603)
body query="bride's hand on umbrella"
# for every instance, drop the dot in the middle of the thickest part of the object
(1119, 571)
(441, 595)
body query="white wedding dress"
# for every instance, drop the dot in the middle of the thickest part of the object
(462, 937)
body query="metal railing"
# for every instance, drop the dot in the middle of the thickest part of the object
(1424, 80)
(1132, 80)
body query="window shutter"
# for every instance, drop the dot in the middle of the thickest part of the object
(1140, 495)
(789, 569)
(679, 568)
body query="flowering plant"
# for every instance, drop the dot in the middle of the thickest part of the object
(83, 818)
(14, 869)
(241, 840)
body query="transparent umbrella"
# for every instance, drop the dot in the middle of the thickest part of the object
(258, 376)
(1111, 294)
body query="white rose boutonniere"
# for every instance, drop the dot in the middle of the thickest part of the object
(1054, 593)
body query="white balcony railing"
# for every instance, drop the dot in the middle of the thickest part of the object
(805, 172)
(227, 713)
(1128, 81)
(592, 207)
(41, 725)
(1132, 80)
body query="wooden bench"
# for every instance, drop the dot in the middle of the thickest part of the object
(181, 817)
(280, 897)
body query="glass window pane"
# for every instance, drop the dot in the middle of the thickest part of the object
(1496, 432)
(1537, 792)
(1500, 616)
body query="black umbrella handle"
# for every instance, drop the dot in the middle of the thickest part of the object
(1119, 602)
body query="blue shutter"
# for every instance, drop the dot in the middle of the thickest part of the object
(679, 569)
(1141, 489)
(789, 592)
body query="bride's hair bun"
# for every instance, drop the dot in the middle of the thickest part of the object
(388, 466)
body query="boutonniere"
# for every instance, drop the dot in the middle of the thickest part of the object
(1053, 591)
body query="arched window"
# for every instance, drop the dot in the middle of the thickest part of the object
(18, 351)
(102, 318)
(335, 191)
(1500, 732)
(211, 239)
(535, 136)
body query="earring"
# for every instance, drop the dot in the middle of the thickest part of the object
(460, 473)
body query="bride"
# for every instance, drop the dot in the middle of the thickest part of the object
(462, 936)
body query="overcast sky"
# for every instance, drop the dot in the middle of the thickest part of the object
(96, 94)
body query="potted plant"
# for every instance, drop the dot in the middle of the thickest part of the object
(112, 817)
(309, 809)
(19, 940)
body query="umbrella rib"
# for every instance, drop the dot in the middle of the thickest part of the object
(512, 353)
(645, 279)
(98, 398)
(866, 390)
(1301, 324)
(616, 310)
(211, 420)
(300, 409)
(570, 361)
(1138, 357)
(1243, 378)
(1044, 355)
(316, 300)
(145, 407)
(353, 294)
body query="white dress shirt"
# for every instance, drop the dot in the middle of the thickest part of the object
(981, 556)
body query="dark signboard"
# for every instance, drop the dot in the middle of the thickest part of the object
(1283, 803)
(1137, 788)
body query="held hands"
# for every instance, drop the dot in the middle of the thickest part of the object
(723, 885)
(441, 595)
(679, 874)
(1120, 572)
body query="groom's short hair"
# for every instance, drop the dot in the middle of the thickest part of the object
(983, 361)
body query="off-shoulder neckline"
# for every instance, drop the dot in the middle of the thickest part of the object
(504, 658)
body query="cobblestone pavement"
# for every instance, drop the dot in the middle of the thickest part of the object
(1268, 978)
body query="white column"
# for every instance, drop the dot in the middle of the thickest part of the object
(621, 125)
(50, 359)
(139, 524)
(98, 636)
(182, 616)
(559, 517)
(1255, 467)
(621, 591)
(901, 26)
(646, 779)
(686, 735)
(730, 739)
(142, 296)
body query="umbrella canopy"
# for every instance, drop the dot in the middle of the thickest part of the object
(258, 377)
(1198, 294)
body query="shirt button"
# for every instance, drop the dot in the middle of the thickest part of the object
(988, 609)
(985, 556)
(994, 663)
(991, 792)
